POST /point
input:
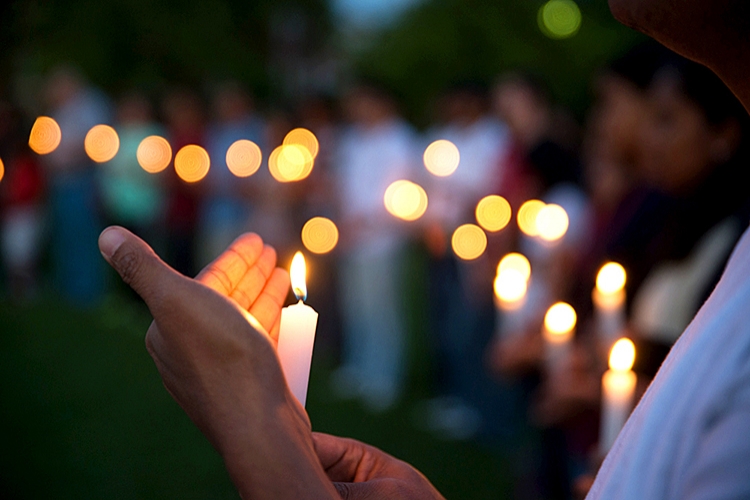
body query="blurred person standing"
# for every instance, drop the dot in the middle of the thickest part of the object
(226, 208)
(131, 196)
(461, 310)
(75, 219)
(376, 149)
(185, 121)
(21, 206)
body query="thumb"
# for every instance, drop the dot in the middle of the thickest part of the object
(136, 263)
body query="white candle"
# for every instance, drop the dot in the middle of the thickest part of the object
(558, 333)
(510, 298)
(297, 334)
(618, 389)
(609, 302)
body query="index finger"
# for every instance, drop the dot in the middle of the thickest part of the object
(225, 273)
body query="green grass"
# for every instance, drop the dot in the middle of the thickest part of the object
(85, 415)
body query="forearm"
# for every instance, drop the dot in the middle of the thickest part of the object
(277, 460)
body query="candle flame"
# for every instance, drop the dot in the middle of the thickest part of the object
(622, 355)
(560, 319)
(510, 285)
(517, 262)
(552, 222)
(611, 278)
(298, 273)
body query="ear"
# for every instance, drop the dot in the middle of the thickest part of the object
(726, 139)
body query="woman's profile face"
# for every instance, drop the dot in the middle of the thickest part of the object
(677, 138)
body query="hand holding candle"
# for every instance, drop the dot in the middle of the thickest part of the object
(297, 333)
(618, 388)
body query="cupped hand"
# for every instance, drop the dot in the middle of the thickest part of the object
(362, 472)
(222, 370)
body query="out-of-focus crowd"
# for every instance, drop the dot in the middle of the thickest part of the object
(652, 181)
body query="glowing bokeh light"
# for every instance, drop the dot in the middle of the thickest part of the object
(45, 135)
(469, 242)
(611, 278)
(441, 158)
(510, 285)
(2, 170)
(290, 163)
(320, 235)
(244, 158)
(154, 154)
(405, 200)
(101, 143)
(298, 276)
(552, 222)
(192, 163)
(517, 262)
(559, 19)
(493, 213)
(560, 319)
(304, 138)
(622, 355)
(527, 217)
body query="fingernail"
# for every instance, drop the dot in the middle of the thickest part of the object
(110, 240)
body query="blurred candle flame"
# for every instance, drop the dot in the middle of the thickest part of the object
(517, 262)
(622, 355)
(527, 215)
(560, 319)
(2, 170)
(154, 154)
(320, 235)
(493, 213)
(45, 135)
(244, 158)
(469, 242)
(510, 286)
(101, 143)
(192, 163)
(298, 275)
(552, 222)
(441, 158)
(304, 138)
(611, 278)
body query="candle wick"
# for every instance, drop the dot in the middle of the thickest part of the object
(300, 294)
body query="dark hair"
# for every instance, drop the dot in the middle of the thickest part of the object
(639, 64)
(702, 87)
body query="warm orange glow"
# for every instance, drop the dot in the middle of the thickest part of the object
(2, 170)
(560, 319)
(510, 286)
(552, 222)
(192, 163)
(441, 158)
(527, 217)
(45, 135)
(298, 275)
(517, 262)
(405, 200)
(290, 163)
(101, 143)
(244, 158)
(154, 154)
(622, 355)
(611, 278)
(304, 138)
(320, 235)
(493, 213)
(469, 242)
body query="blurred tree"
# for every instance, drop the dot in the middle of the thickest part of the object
(440, 42)
(145, 42)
